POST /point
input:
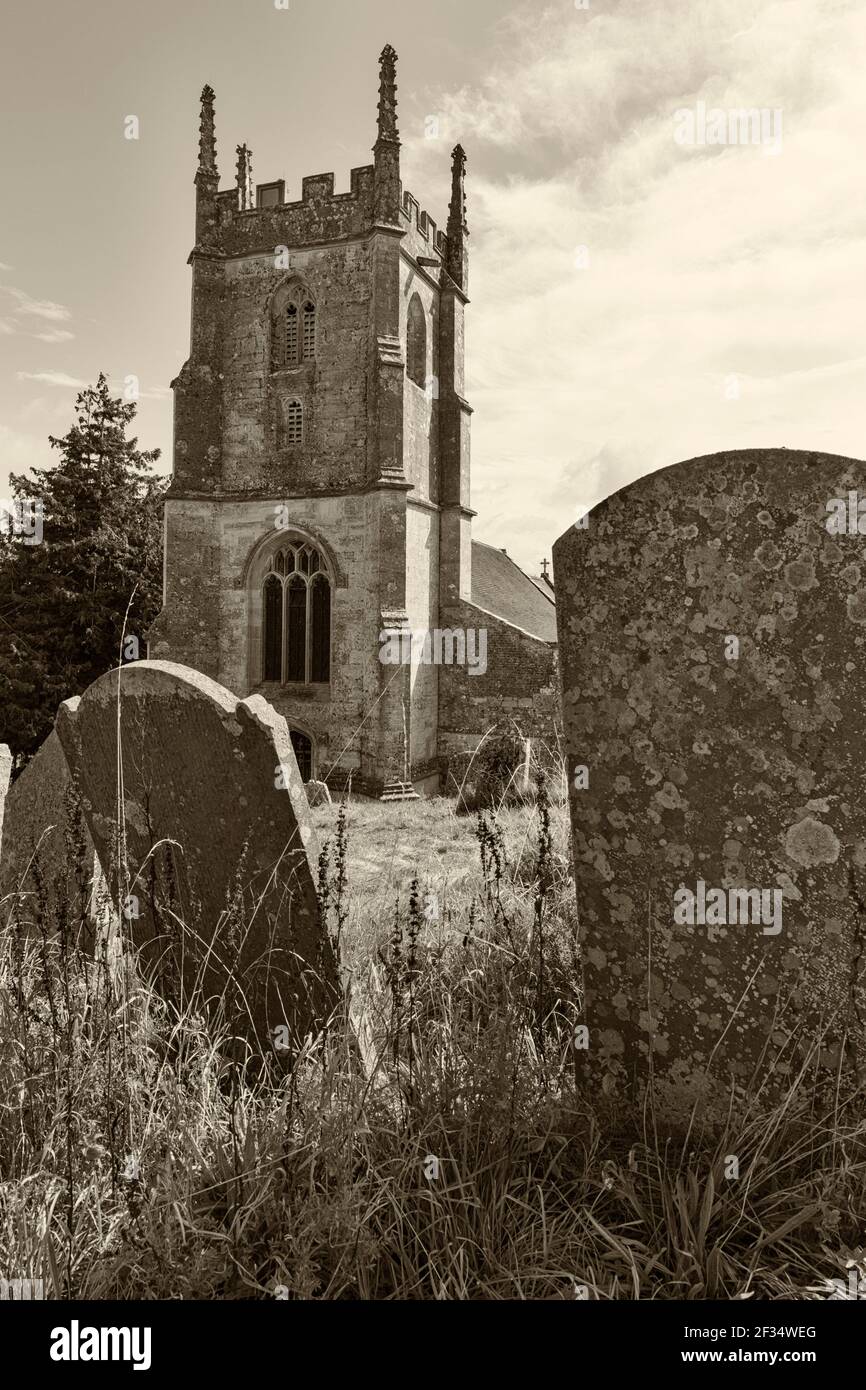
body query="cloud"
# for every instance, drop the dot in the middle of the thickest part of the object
(54, 335)
(719, 301)
(117, 386)
(38, 308)
(53, 379)
(151, 393)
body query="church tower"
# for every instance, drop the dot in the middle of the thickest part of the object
(320, 490)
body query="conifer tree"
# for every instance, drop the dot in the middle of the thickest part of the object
(67, 599)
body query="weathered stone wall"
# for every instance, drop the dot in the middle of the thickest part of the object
(332, 389)
(455, 413)
(519, 683)
(420, 405)
(422, 607)
(188, 626)
(420, 234)
(241, 536)
(712, 649)
(319, 215)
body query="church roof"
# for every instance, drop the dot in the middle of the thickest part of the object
(500, 587)
(544, 585)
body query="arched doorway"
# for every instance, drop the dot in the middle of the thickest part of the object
(303, 747)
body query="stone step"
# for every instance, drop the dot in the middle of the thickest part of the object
(399, 791)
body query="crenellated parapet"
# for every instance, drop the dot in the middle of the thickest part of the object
(421, 235)
(250, 219)
(320, 215)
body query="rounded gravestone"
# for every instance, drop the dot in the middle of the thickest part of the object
(712, 629)
(200, 821)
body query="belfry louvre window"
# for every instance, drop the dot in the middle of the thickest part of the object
(309, 346)
(291, 353)
(296, 617)
(294, 339)
(294, 431)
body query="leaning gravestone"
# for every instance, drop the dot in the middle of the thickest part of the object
(712, 629)
(49, 873)
(207, 849)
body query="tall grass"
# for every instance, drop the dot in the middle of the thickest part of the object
(431, 1143)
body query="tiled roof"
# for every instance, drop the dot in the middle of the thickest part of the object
(541, 583)
(500, 587)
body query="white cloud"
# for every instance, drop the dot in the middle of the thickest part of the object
(54, 335)
(116, 386)
(38, 308)
(704, 263)
(53, 379)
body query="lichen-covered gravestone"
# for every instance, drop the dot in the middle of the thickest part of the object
(208, 849)
(712, 628)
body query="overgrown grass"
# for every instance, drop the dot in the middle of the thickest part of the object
(448, 1154)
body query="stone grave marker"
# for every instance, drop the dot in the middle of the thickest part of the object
(712, 630)
(208, 852)
(318, 794)
(49, 872)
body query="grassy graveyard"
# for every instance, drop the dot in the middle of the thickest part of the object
(447, 1155)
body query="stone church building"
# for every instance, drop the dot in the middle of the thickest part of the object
(320, 503)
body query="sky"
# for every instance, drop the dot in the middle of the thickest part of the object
(637, 298)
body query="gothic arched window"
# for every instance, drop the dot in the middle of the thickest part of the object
(293, 339)
(296, 616)
(273, 624)
(320, 629)
(416, 343)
